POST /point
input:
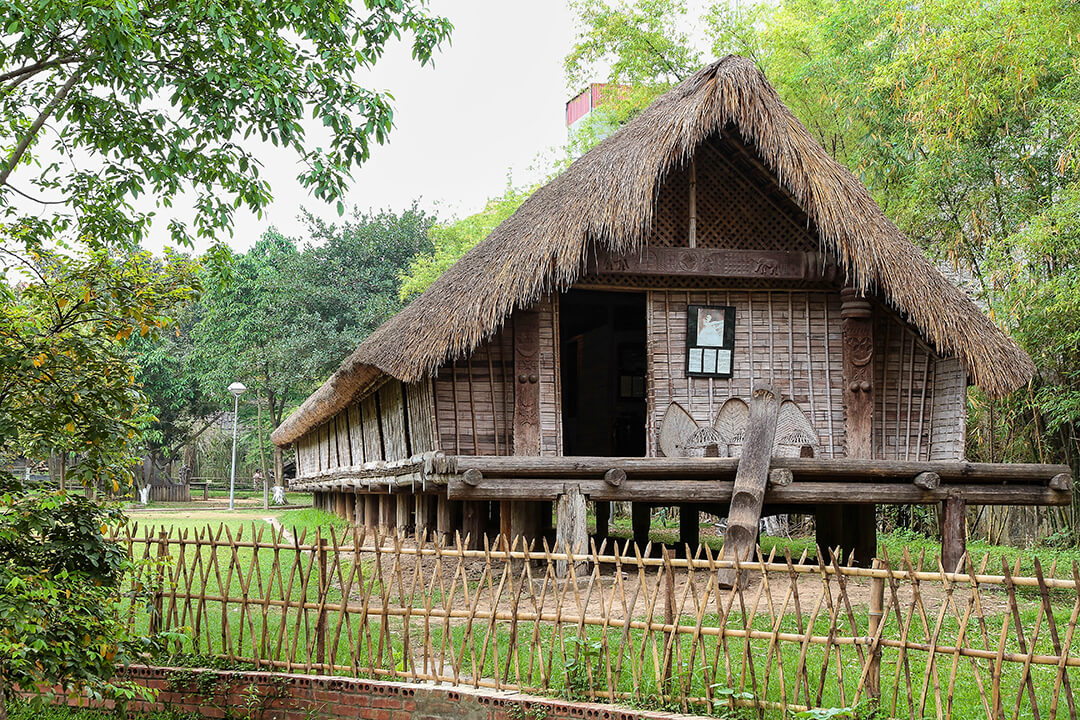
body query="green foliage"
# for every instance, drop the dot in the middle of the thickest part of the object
(157, 99)
(65, 383)
(289, 316)
(453, 240)
(59, 601)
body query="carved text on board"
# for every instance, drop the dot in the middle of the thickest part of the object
(714, 262)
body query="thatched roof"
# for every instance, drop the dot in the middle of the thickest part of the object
(606, 200)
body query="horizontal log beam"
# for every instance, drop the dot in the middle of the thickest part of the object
(837, 469)
(712, 491)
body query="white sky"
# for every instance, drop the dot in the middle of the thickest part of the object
(492, 103)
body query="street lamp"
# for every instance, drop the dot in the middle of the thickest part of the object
(237, 389)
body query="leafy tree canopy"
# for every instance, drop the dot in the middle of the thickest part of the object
(105, 102)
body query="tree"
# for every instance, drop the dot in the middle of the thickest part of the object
(102, 103)
(452, 240)
(155, 98)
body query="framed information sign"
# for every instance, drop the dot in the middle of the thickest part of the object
(710, 340)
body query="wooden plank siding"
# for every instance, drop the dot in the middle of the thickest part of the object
(790, 339)
(474, 397)
(904, 390)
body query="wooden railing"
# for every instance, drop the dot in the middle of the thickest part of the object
(622, 625)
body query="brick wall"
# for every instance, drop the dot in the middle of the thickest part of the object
(280, 696)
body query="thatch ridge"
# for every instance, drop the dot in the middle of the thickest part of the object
(607, 198)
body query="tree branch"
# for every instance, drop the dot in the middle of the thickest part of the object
(35, 127)
(29, 70)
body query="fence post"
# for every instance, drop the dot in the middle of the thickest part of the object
(159, 584)
(669, 618)
(320, 623)
(876, 617)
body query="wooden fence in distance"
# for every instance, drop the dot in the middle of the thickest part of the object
(624, 625)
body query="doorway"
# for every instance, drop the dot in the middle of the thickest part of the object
(603, 364)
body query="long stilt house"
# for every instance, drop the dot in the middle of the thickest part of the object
(705, 311)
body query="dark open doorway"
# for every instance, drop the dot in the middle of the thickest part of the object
(602, 338)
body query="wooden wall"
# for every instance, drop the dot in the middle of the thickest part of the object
(788, 338)
(474, 397)
(948, 431)
(392, 423)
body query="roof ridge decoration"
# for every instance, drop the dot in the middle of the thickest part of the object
(606, 200)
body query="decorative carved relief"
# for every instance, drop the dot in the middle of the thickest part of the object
(681, 435)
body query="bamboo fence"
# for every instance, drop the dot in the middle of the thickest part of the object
(623, 624)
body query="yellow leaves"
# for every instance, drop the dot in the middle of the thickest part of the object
(70, 427)
(61, 302)
(88, 295)
(40, 359)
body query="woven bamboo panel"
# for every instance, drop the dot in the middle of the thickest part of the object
(949, 418)
(474, 400)
(474, 396)
(790, 339)
(392, 420)
(421, 410)
(550, 391)
(904, 391)
(732, 212)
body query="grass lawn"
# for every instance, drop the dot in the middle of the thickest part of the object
(573, 661)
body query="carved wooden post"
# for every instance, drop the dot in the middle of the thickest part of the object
(853, 527)
(748, 493)
(523, 515)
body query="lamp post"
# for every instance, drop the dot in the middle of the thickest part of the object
(237, 389)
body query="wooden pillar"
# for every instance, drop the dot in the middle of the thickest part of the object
(641, 518)
(387, 512)
(858, 529)
(572, 533)
(829, 529)
(523, 515)
(426, 517)
(603, 520)
(444, 523)
(953, 532)
(689, 528)
(371, 512)
(340, 508)
(404, 504)
(473, 523)
(350, 507)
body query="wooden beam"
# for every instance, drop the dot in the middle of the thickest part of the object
(748, 492)
(709, 262)
(836, 469)
(807, 492)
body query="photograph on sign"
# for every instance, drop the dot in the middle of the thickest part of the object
(710, 340)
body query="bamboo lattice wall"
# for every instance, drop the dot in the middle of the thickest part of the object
(626, 626)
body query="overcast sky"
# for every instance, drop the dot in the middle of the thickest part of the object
(494, 101)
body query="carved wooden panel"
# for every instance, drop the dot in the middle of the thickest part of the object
(858, 332)
(527, 383)
(711, 262)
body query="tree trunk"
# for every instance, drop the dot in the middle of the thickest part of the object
(262, 453)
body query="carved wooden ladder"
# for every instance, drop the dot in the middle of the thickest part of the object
(751, 478)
